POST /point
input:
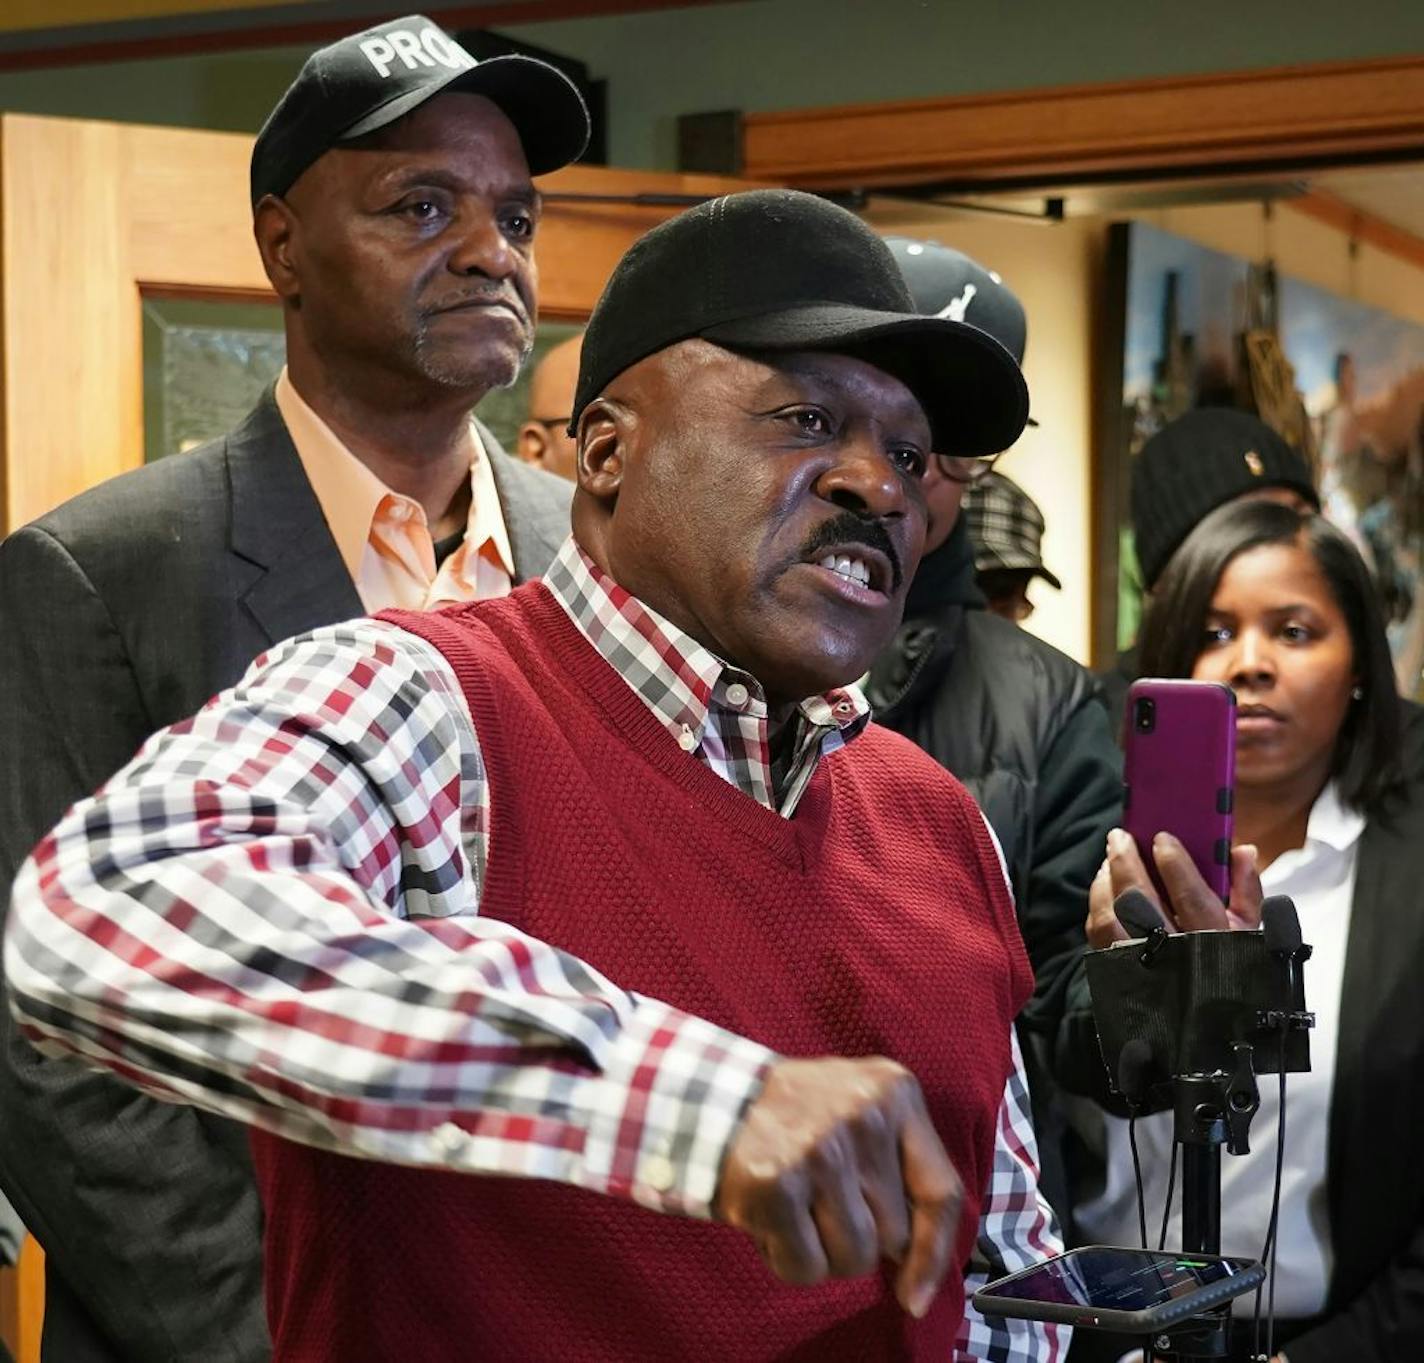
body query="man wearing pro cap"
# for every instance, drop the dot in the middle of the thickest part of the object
(394, 212)
(588, 887)
(1021, 724)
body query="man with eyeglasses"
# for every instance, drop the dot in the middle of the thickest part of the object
(1022, 725)
(544, 440)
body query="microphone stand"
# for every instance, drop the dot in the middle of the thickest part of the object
(1209, 1111)
(1216, 1109)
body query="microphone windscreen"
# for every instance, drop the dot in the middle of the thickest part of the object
(1280, 925)
(1138, 914)
(1134, 1064)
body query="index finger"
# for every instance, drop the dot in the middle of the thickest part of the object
(1128, 871)
(935, 1195)
(1244, 907)
(1103, 927)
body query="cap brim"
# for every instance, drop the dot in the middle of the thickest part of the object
(970, 387)
(544, 105)
(1013, 561)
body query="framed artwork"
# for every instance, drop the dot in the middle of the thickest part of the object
(1342, 381)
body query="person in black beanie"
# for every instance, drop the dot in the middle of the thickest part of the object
(1202, 460)
(1019, 723)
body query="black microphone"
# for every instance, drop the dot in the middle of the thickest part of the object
(1134, 1067)
(1142, 918)
(1134, 1062)
(1138, 914)
(1280, 925)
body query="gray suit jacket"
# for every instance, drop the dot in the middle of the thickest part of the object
(121, 612)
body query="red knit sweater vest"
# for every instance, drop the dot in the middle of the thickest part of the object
(874, 921)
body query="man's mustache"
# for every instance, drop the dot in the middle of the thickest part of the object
(491, 294)
(848, 528)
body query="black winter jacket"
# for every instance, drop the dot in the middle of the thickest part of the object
(1023, 727)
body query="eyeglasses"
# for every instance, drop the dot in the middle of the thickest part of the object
(963, 468)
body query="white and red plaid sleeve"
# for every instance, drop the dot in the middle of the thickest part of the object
(272, 913)
(1016, 1229)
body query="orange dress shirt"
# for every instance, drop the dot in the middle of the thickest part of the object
(383, 536)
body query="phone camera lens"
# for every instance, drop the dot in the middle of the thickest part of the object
(1144, 715)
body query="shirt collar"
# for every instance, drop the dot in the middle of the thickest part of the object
(485, 530)
(350, 495)
(675, 676)
(1332, 823)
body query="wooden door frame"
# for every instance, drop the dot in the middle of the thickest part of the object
(1199, 125)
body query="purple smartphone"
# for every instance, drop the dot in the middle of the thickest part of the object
(1180, 772)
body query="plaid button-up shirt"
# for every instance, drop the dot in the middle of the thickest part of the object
(273, 912)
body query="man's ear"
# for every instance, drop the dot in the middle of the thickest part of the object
(604, 429)
(274, 226)
(532, 443)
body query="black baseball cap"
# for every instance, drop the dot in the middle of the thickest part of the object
(781, 270)
(1200, 461)
(947, 283)
(372, 78)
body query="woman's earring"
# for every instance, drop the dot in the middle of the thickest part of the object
(1357, 693)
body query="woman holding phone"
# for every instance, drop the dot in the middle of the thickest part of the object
(1280, 607)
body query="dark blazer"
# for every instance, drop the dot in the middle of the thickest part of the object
(1375, 1176)
(121, 612)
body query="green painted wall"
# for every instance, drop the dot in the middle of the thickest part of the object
(776, 54)
(228, 92)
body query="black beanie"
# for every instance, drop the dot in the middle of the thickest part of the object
(1193, 465)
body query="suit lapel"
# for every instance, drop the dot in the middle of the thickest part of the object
(535, 505)
(1378, 1043)
(300, 582)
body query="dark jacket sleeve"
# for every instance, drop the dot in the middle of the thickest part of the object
(1078, 799)
(160, 1245)
(1382, 1324)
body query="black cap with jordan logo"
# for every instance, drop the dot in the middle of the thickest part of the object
(947, 283)
(370, 79)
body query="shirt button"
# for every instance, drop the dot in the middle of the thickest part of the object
(659, 1173)
(845, 707)
(449, 1139)
(737, 695)
(686, 740)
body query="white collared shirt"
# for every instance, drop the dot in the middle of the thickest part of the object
(1320, 878)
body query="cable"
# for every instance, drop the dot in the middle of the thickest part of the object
(1268, 1250)
(1275, 1209)
(1137, 1174)
(1167, 1206)
(1142, 1197)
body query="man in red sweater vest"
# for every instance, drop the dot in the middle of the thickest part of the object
(599, 983)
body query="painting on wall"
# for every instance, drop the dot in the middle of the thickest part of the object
(1343, 382)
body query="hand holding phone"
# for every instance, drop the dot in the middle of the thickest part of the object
(1179, 775)
(1180, 744)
